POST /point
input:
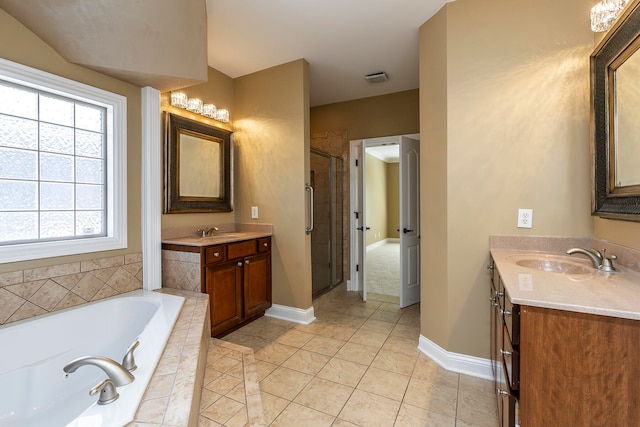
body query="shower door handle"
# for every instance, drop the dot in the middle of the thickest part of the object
(309, 188)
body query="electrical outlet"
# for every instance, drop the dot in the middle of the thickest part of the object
(254, 212)
(525, 218)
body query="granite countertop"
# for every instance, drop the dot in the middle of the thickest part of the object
(584, 289)
(217, 238)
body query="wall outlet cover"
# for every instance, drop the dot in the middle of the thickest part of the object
(254, 212)
(525, 218)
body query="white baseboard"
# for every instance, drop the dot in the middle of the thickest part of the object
(456, 362)
(291, 314)
(382, 242)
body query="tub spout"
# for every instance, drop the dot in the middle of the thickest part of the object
(116, 373)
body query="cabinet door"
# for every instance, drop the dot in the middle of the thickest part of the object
(224, 286)
(257, 284)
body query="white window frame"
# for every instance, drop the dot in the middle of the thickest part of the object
(116, 164)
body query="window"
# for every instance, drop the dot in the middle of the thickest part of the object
(62, 166)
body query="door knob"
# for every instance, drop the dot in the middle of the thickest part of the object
(406, 230)
(362, 228)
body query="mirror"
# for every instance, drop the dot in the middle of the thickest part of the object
(615, 130)
(197, 166)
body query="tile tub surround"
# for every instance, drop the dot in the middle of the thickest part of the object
(32, 292)
(181, 270)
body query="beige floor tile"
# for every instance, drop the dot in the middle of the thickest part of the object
(342, 423)
(206, 422)
(306, 362)
(324, 345)
(207, 398)
(339, 332)
(386, 316)
(263, 369)
(313, 328)
(477, 409)
(238, 394)
(379, 326)
(358, 353)
(325, 396)
(343, 372)
(405, 331)
(410, 319)
(222, 410)
(224, 364)
(275, 353)
(368, 409)
(360, 311)
(253, 342)
(384, 383)
(298, 415)
(383, 298)
(295, 338)
(240, 419)
(272, 406)
(370, 338)
(427, 369)
(285, 383)
(412, 416)
(401, 345)
(395, 362)
(387, 306)
(434, 397)
(474, 385)
(223, 384)
(348, 320)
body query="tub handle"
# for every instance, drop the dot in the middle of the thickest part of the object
(128, 362)
(107, 390)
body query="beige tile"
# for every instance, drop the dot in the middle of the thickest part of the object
(345, 319)
(307, 362)
(387, 306)
(367, 409)
(207, 398)
(395, 362)
(275, 353)
(263, 369)
(339, 332)
(285, 383)
(358, 353)
(223, 384)
(27, 289)
(342, 423)
(412, 416)
(240, 419)
(324, 345)
(159, 386)
(325, 396)
(26, 311)
(473, 385)
(429, 370)
(384, 383)
(378, 326)
(100, 263)
(69, 300)
(481, 410)
(313, 328)
(411, 332)
(53, 271)
(343, 372)
(360, 311)
(88, 286)
(222, 410)
(49, 295)
(206, 422)
(401, 345)
(272, 406)
(9, 303)
(223, 364)
(152, 411)
(434, 397)
(300, 415)
(238, 394)
(11, 278)
(295, 338)
(386, 316)
(369, 338)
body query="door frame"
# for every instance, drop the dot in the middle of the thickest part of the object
(352, 283)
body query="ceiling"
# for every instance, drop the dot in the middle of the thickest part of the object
(342, 41)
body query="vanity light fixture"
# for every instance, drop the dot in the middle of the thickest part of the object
(604, 14)
(195, 105)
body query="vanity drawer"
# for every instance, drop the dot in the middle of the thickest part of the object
(511, 316)
(214, 254)
(242, 249)
(264, 245)
(511, 361)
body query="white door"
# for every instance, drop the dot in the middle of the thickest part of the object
(358, 223)
(409, 221)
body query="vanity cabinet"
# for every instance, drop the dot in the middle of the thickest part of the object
(237, 277)
(562, 368)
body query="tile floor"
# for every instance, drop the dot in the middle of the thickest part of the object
(356, 365)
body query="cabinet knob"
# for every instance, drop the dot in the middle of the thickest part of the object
(501, 391)
(505, 312)
(239, 264)
(493, 301)
(216, 254)
(505, 352)
(265, 244)
(490, 267)
(499, 293)
(246, 261)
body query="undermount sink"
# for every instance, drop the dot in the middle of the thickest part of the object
(551, 263)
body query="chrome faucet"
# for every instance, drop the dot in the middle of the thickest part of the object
(128, 361)
(207, 232)
(118, 375)
(598, 259)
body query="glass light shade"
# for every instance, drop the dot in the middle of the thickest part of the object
(194, 105)
(209, 110)
(604, 14)
(179, 99)
(222, 115)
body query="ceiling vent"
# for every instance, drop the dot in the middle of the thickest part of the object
(377, 77)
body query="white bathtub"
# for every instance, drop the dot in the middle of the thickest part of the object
(36, 392)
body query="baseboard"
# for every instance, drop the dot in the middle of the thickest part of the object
(456, 362)
(291, 314)
(349, 288)
(382, 242)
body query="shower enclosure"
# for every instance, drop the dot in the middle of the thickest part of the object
(326, 237)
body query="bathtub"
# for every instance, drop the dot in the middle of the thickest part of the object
(36, 391)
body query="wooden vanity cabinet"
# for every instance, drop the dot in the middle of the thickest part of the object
(237, 277)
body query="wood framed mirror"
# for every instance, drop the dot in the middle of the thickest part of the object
(198, 168)
(615, 128)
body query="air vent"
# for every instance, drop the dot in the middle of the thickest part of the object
(376, 77)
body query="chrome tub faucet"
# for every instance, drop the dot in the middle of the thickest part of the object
(118, 376)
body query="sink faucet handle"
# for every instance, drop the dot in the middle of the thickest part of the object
(128, 362)
(597, 252)
(107, 390)
(607, 262)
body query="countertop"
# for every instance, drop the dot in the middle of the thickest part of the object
(216, 239)
(614, 294)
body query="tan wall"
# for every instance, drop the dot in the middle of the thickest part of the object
(22, 46)
(272, 139)
(516, 109)
(393, 200)
(385, 115)
(218, 90)
(376, 195)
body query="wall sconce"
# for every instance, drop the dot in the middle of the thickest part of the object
(604, 14)
(195, 105)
